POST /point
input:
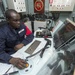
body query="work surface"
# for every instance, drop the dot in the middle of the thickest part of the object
(37, 65)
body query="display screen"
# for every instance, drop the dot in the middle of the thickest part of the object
(65, 34)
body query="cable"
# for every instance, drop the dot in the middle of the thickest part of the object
(42, 50)
(33, 54)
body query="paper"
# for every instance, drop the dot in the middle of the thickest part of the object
(5, 67)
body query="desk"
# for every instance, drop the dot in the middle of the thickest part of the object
(39, 65)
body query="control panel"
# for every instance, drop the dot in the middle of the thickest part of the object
(61, 5)
(18, 5)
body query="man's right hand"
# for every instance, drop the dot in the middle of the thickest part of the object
(19, 63)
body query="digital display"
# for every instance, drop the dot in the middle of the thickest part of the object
(65, 34)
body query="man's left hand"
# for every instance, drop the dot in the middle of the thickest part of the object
(19, 46)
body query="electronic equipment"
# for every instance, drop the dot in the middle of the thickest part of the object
(37, 65)
(33, 47)
(29, 68)
(60, 5)
(18, 5)
(64, 34)
(44, 33)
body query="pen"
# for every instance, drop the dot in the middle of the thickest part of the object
(13, 72)
(8, 70)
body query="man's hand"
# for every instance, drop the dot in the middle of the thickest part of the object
(19, 63)
(19, 46)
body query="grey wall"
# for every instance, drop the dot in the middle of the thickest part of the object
(30, 9)
(62, 16)
(65, 15)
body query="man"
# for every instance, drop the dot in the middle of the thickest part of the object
(13, 36)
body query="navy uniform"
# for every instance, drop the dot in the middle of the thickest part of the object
(10, 37)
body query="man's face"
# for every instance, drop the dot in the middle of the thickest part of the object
(14, 21)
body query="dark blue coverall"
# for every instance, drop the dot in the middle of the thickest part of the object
(10, 37)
